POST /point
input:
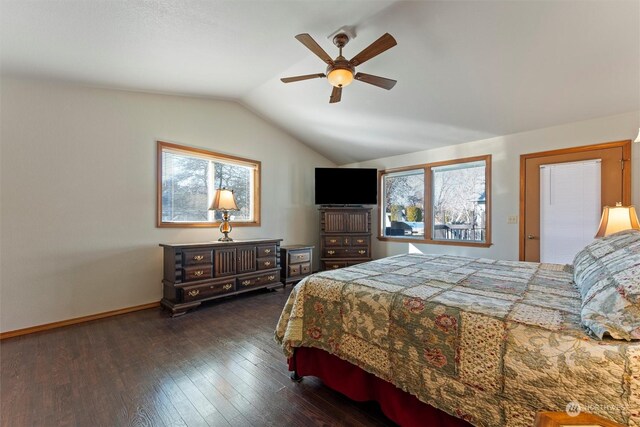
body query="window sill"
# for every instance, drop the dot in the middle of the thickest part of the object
(207, 224)
(434, 242)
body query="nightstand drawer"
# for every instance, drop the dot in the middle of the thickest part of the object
(266, 263)
(197, 257)
(192, 293)
(266, 251)
(299, 256)
(294, 270)
(196, 272)
(298, 269)
(305, 268)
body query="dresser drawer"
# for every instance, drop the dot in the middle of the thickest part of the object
(195, 257)
(333, 265)
(299, 256)
(359, 241)
(266, 263)
(258, 280)
(196, 272)
(332, 241)
(338, 241)
(266, 251)
(354, 252)
(192, 293)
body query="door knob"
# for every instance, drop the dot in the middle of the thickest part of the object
(531, 237)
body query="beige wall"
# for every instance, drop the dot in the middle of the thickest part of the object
(78, 193)
(506, 153)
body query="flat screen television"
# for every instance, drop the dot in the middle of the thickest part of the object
(345, 186)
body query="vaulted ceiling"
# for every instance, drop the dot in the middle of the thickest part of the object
(465, 70)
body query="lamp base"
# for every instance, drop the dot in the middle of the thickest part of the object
(225, 227)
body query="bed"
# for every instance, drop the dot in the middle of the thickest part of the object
(489, 342)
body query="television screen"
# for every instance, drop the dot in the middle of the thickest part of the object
(344, 186)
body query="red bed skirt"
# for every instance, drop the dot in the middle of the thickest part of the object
(401, 407)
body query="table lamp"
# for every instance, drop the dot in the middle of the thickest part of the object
(616, 219)
(224, 201)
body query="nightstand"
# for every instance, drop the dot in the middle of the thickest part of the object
(296, 261)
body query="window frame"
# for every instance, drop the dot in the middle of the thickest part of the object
(428, 195)
(198, 152)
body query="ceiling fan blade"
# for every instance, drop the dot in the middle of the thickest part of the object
(298, 78)
(382, 82)
(336, 95)
(374, 49)
(314, 47)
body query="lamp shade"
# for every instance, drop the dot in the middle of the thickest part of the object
(224, 200)
(616, 219)
(637, 137)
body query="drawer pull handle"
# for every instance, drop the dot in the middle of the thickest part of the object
(198, 273)
(333, 240)
(300, 256)
(246, 282)
(335, 266)
(198, 257)
(362, 252)
(267, 251)
(331, 252)
(194, 292)
(271, 277)
(267, 263)
(360, 241)
(227, 286)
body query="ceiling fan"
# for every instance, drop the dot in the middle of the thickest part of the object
(341, 72)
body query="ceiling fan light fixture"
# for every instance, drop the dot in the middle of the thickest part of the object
(342, 72)
(340, 77)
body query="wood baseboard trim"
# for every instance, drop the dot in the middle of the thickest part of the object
(68, 322)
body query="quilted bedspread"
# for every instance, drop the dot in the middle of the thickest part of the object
(489, 341)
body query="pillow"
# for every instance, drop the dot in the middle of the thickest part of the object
(607, 274)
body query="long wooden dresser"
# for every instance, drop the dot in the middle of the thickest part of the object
(198, 272)
(345, 236)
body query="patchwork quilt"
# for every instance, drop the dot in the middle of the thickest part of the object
(492, 342)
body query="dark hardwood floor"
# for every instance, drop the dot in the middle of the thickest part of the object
(216, 366)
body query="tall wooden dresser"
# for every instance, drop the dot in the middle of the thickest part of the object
(199, 272)
(345, 236)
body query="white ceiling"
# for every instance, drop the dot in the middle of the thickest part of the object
(465, 70)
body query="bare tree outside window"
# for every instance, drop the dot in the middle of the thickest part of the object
(188, 179)
(404, 203)
(459, 201)
(237, 178)
(185, 188)
(447, 202)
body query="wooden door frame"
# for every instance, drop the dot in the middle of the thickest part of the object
(626, 176)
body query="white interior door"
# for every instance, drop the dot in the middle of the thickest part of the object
(569, 209)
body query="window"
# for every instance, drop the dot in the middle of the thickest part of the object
(403, 196)
(188, 179)
(444, 203)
